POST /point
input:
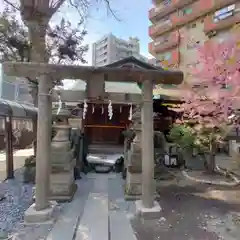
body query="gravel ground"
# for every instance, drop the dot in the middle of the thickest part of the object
(17, 198)
(193, 212)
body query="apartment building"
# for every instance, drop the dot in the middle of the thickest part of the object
(14, 89)
(110, 49)
(179, 26)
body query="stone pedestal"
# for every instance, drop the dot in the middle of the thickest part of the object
(46, 215)
(133, 189)
(62, 183)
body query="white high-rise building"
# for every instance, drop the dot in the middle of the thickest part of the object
(14, 89)
(110, 49)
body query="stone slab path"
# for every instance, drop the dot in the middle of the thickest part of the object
(98, 211)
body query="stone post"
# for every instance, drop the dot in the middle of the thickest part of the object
(43, 145)
(134, 161)
(125, 151)
(148, 186)
(42, 209)
(147, 207)
(62, 184)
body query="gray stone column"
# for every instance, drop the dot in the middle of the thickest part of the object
(125, 151)
(148, 183)
(43, 145)
(134, 161)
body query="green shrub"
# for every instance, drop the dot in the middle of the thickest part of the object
(183, 136)
(30, 161)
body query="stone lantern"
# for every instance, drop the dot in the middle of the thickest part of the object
(62, 184)
(134, 168)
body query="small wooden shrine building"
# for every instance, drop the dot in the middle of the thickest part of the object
(124, 96)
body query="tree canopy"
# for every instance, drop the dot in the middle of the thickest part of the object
(64, 42)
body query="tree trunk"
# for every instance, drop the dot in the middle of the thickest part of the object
(211, 161)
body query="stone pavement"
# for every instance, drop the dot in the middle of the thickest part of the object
(98, 211)
(19, 157)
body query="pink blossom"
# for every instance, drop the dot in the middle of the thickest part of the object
(218, 83)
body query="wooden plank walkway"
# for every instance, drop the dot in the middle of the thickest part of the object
(98, 211)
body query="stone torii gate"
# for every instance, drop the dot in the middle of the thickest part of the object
(95, 78)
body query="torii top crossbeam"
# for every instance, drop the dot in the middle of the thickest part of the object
(121, 71)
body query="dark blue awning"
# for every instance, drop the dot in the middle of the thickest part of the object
(14, 109)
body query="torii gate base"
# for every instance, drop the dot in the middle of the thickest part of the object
(33, 216)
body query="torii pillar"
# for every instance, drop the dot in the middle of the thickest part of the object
(147, 206)
(42, 209)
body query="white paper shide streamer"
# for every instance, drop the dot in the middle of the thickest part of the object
(130, 113)
(110, 110)
(102, 110)
(59, 104)
(93, 109)
(85, 106)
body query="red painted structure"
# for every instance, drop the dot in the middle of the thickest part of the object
(99, 129)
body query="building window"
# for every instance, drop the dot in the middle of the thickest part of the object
(193, 25)
(164, 20)
(162, 40)
(167, 2)
(165, 57)
(224, 13)
(193, 44)
(186, 11)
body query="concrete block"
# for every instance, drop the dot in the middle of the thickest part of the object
(61, 156)
(33, 216)
(134, 169)
(63, 167)
(63, 177)
(133, 185)
(63, 194)
(148, 213)
(135, 159)
(134, 178)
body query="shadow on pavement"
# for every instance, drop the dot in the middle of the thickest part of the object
(187, 213)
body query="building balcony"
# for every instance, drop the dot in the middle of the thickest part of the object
(173, 61)
(160, 28)
(176, 19)
(211, 25)
(164, 43)
(161, 10)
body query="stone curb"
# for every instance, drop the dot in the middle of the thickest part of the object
(231, 174)
(235, 182)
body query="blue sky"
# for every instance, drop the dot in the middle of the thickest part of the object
(133, 21)
(133, 17)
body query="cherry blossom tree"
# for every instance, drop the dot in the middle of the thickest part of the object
(211, 100)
